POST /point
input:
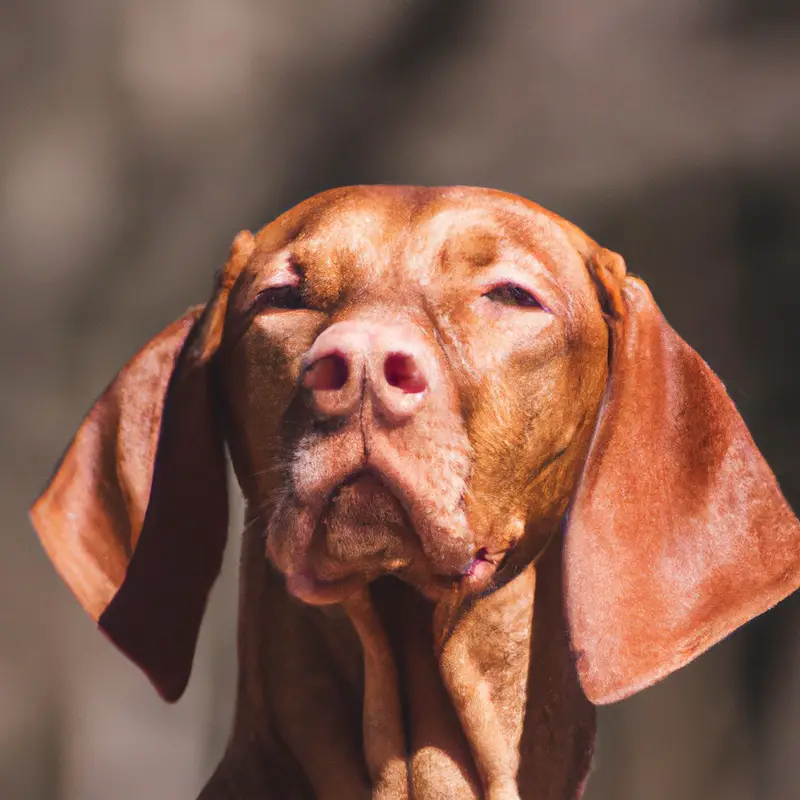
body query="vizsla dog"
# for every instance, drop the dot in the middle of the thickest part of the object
(487, 487)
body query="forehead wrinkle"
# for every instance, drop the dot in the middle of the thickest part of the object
(433, 226)
(476, 248)
(459, 236)
(554, 249)
(341, 239)
(358, 245)
(360, 213)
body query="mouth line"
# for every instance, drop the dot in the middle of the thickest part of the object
(494, 558)
(355, 476)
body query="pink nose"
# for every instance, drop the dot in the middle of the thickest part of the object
(391, 362)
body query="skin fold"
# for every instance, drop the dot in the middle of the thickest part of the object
(486, 486)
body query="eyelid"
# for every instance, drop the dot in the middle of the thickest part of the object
(285, 277)
(509, 276)
(505, 274)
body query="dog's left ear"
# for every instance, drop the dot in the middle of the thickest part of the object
(678, 532)
(135, 518)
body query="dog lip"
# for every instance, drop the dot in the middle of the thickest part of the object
(305, 586)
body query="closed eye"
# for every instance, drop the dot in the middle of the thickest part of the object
(511, 294)
(281, 297)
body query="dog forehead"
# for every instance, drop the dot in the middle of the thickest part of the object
(410, 233)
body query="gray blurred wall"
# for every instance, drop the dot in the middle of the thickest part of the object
(137, 138)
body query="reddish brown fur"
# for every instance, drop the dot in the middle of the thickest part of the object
(519, 455)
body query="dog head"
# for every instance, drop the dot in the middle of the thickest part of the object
(430, 383)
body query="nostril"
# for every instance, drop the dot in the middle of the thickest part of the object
(402, 372)
(327, 374)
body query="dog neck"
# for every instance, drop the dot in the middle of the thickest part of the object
(372, 699)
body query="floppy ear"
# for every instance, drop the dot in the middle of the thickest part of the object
(135, 517)
(678, 532)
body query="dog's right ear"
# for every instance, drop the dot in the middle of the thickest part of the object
(135, 518)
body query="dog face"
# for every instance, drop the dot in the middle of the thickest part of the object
(395, 367)
(429, 383)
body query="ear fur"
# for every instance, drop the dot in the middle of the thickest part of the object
(678, 532)
(135, 517)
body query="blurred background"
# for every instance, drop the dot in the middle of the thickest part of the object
(137, 138)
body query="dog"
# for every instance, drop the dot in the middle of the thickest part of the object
(487, 488)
